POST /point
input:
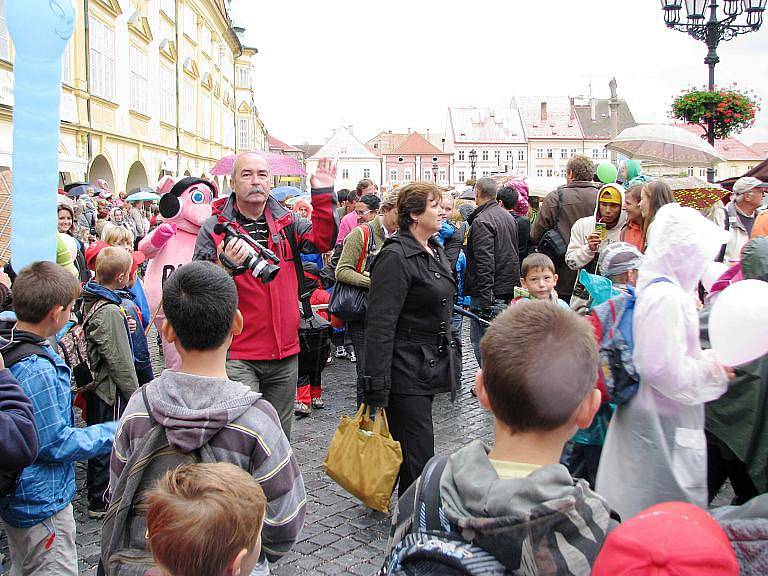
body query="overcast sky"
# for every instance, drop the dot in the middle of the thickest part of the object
(399, 64)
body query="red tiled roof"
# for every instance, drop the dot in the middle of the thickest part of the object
(417, 144)
(729, 148)
(280, 145)
(761, 148)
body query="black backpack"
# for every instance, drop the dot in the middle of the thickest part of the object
(14, 351)
(124, 550)
(434, 546)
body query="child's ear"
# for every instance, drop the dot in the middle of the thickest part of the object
(55, 314)
(237, 324)
(482, 393)
(167, 332)
(522, 283)
(588, 408)
(236, 565)
(556, 278)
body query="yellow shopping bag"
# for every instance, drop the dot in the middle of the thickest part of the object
(364, 459)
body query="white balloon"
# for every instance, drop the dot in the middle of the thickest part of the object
(713, 271)
(738, 324)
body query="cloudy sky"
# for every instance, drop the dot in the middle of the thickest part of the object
(399, 64)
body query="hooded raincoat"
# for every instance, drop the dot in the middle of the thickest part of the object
(655, 450)
(578, 256)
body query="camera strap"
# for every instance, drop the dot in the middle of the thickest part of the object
(306, 307)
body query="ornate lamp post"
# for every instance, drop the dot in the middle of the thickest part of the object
(718, 28)
(472, 162)
(434, 171)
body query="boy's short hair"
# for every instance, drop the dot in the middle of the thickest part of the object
(200, 302)
(539, 362)
(509, 197)
(39, 288)
(118, 235)
(110, 263)
(536, 261)
(201, 516)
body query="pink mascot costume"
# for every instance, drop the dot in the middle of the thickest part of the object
(184, 207)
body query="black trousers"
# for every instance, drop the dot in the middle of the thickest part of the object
(410, 422)
(722, 465)
(97, 476)
(356, 332)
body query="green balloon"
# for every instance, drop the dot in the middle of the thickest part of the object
(607, 172)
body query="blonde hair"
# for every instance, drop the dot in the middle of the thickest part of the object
(110, 263)
(201, 516)
(118, 235)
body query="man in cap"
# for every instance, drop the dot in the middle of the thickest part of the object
(592, 234)
(740, 214)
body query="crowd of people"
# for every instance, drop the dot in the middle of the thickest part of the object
(604, 457)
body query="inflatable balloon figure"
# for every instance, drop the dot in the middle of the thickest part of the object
(40, 30)
(184, 207)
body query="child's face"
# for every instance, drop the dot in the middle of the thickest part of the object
(540, 282)
(125, 245)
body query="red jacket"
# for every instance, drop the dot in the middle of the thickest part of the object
(271, 311)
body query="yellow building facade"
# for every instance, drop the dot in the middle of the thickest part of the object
(149, 88)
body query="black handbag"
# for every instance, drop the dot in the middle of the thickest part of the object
(314, 330)
(552, 242)
(350, 302)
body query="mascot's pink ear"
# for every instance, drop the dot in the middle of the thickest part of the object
(165, 184)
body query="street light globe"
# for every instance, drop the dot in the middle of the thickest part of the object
(696, 9)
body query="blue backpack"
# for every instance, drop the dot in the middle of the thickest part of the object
(612, 322)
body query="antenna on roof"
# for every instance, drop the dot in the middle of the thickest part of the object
(590, 89)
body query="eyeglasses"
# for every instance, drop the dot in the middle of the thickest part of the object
(363, 212)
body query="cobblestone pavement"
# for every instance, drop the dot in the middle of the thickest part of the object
(341, 536)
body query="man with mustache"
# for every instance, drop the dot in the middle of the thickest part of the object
(265, 355)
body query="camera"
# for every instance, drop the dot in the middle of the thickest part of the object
(262, 262)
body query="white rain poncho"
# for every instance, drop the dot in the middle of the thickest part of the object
(655, 450)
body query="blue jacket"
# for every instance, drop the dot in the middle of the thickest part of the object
(18, 435)
(141, 302)
(48, 485)
(138, 339)
(461, 268)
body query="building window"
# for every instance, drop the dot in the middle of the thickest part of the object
(229, 129)
(139, 84)
(521, 155)
(486, 173)
(345, 173)
(539, 153)
(550, 153)
(550, 171)
(509, 155)
(366, 172)
(461, 154)
(216, 127)
(169, 7)
(690, 171)
(5, 48)
(243, 134)
(461, 176)
(407, 175)
(441, 176)
(190, 22)
(206, 40)
(564, 153)
(427, 174)
(539, 172)
(188, 105)
(167, 95)
(497, 155)
(595, 153)
(393, 175)
(205, 115)
(66, 58)
(485, 154)
(102, 43)
(243, 77)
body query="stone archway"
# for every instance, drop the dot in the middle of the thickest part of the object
(100, 169)
(137, 177)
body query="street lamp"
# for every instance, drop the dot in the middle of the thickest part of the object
(472, 162)
(434, 171)
(712, 32)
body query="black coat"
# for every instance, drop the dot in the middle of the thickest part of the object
(523, 236)
(493, 265)
(410, 347)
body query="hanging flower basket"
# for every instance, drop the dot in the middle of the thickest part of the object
(732, 110)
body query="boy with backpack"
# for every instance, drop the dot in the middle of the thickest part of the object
(513, 508)
(38, 517)
(538, 280)
(110, 356)
(194, 501)
(199, 414)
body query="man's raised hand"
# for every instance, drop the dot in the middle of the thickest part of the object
(325, 175)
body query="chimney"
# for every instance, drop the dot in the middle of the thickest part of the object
(351, 129)
(543, 112)
(593, 106)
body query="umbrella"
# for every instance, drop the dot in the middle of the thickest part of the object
(75, 190)
(291, 200)
(282, 193)
(540, 186)
(279, 165)
(142, 194)
(694, 192)
(468, 194)
(670, 145)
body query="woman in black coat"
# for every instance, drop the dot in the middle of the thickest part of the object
(411, 352)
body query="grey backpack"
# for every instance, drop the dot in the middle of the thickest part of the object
(124, 550)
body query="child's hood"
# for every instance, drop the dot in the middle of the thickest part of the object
(545, 509)
(93, 291)
(194, 408)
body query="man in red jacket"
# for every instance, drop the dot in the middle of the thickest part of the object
(265, 355)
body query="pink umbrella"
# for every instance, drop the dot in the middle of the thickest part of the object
(279, 165)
